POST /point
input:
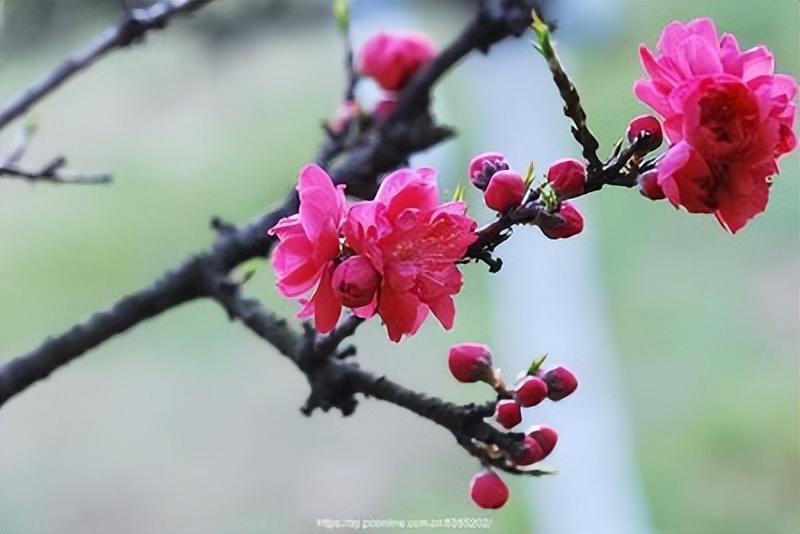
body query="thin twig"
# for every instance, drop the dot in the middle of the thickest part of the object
(133, 25)
(53, 173)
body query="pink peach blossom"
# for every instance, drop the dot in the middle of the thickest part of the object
(727, 116)
(393, 58)
(414, 242)
(303, 259)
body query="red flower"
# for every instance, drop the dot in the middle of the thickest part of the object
(309, 243)
(393, 58)
(414, 242)
(727, 115)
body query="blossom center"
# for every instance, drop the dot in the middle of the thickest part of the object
(728, 116)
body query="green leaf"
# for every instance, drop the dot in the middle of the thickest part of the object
(549, 197)
(460, 192)
(530, 174)
(341, 11)
(536, 364)
(247, 270)
(542, 32)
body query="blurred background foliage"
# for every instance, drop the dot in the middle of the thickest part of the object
(188, 423)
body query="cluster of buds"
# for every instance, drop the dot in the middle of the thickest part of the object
(505, 189)
(472, 362)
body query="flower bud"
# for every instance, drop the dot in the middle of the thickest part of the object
(560, 383)
(355, 281)
(646, 126)
(567, 176)
(572, 225)
(531, 391)
(649, 187)
(483, 166)
(545, 436)
(391, 59)
(508, 413)
(488, 490)
(383, 109)
(506, 189)
(347, 111)
(531, 452)
(470, 362)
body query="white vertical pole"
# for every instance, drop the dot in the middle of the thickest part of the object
(548, 298)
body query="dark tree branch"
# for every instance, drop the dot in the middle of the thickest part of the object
(334, 382)
(133, 26)
(574, 110)
(408, 130)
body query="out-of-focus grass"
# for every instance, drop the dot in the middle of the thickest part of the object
(188, 423)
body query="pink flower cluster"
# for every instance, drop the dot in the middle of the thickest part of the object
(394, 256)
(727, 116)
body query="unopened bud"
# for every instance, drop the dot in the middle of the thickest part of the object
(648, 127)
(470, 362)
(531, 391)
(567, 176)
(545, 436)
(488, 490)
(508, 413)
(649, 186)
(531, 452)
(355, 281)
(506, 189)
(483, 166)
(560, 383)
(572, 223)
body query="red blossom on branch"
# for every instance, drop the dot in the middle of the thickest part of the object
(394, 256)
(727, 116)
(391, 59)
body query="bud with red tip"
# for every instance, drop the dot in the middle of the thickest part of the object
(383, 109)
(488, 490)
(649, 187)
(506, 189)
(355, 281)
(531, 452)
(531, 391)
(648, 127)
(483, 166)
(393, 58)
(567, 176)
(572, 223)
(470, 362)
(545, 436)
(560, 383)
(508, 413)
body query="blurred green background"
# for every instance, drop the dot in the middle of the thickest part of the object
(190, 424)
